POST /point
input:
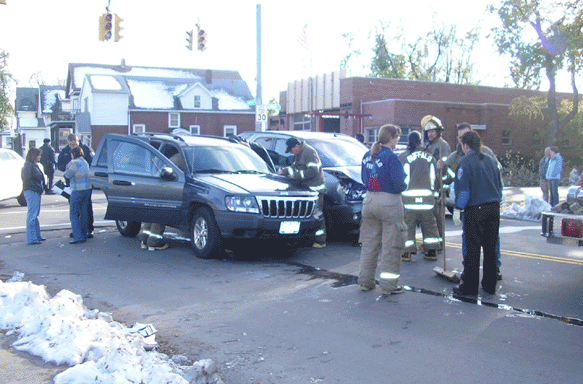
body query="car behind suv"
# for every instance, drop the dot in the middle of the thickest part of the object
(341, 157)
(223, 191)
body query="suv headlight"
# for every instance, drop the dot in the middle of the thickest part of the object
(353, 191)
(242, 204)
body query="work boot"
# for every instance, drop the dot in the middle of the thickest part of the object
(319, 245)
(158, 248)
(498, 274)
(431, 255)
(395, 291)
(406, 256)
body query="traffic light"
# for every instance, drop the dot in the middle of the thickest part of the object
(105, 26)
(189, 39)
(117, 28)
(201, 39)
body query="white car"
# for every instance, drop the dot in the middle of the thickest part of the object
(11, 164)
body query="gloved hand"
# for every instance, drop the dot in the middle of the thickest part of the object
(457, 220)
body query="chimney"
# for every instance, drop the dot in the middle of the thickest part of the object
(209, 76)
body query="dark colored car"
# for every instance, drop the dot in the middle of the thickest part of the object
(341, 157)
(225, 192)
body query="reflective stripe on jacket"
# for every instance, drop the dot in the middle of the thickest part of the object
(420, 171)
(307, 169)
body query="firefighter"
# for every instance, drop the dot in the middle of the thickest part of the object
(307, 171)
(419, 198)
(439, 149)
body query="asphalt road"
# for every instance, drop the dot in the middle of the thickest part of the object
(268, 314)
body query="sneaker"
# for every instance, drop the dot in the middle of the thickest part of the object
(395, 291)
(143, 244)
(319, 245)
(366, 288)
(406, 257)
(159, 248)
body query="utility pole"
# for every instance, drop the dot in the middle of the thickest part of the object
(258, 96)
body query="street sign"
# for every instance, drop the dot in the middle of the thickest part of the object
(274, 107)
(251, 102)
(261, 113)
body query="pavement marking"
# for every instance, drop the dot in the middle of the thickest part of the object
(526, 255)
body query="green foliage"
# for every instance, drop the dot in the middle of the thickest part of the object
(6, 109)
(519, 170)
(529, 107)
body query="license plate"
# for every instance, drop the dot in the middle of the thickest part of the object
(289, 227)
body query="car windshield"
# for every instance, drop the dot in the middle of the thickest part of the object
(227, 159)
(338, 152)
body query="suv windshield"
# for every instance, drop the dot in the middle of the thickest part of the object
(339, 153)
(228, 159)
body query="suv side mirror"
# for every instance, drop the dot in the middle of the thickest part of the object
(168, 174)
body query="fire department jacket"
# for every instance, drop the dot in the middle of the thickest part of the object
(307, 169)
(421, 174)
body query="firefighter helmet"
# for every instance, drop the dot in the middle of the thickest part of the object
(431, 122)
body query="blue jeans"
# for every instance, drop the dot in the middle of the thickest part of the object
(554, 191)
(32, 224)
(464, 252)
(78, 205)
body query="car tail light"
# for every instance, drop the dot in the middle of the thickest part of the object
(572, 228)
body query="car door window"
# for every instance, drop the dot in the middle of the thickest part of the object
(132, 159)
(266, 142)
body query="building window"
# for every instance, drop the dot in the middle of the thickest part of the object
(229, 130)
(196, 101)
(302, 123)
(174, 120)
(195, 129)
(371, 135)
(138, 128)
(506, 139)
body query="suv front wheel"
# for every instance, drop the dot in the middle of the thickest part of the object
(206, 239)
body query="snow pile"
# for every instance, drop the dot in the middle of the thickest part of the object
(61, 330)
(533, 207)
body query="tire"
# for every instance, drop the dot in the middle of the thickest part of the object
(128, 228)
(21, 199)
(204, 233)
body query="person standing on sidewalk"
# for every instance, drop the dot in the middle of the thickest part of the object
(478, 188)
(554, 174)
(542, 173)
(33, 181)
(382, 230)
(48, 161)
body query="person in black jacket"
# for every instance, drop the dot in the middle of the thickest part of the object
(64, 159)
(48, 161)
(33, 181)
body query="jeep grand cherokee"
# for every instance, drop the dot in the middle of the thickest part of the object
(225, 192)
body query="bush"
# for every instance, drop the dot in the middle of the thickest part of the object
(519, 170)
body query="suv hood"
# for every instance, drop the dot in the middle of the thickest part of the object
(254, 184)
(353, 172)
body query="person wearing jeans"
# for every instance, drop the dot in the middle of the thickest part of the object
(33, 181)
(78, 173)
(554, 174)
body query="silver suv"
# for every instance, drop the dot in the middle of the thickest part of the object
(224, 190)
(341, 157)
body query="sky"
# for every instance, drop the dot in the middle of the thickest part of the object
(45, 35)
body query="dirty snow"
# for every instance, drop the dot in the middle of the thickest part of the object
(62, 330)
(531, 211)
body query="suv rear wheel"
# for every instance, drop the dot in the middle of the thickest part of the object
(128, 228)
(206, 239)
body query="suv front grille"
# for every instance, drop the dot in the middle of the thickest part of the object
(287, 207)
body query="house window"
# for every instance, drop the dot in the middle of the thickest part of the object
(174, 120)
(195, 129)
(138, 128)
(229, 130)
(196, 101)
(506, 139)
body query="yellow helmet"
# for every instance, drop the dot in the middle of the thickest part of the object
(431, 122)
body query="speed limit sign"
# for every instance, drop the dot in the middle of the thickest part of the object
(261, 113)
